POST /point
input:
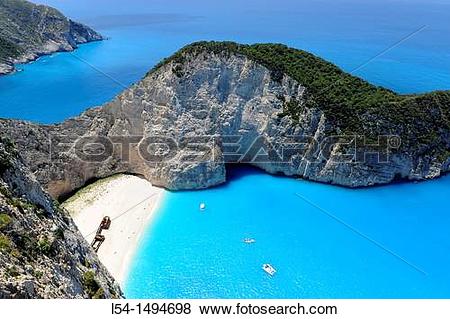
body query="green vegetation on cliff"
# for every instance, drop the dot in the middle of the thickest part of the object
(7, 153)
(8, 50)
(31, 30)
(352, 105)
(30, 25)
(91, 285)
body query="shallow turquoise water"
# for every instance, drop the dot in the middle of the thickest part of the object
(394, 241)
(191, 254)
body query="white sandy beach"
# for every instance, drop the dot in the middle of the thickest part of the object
(130, 202)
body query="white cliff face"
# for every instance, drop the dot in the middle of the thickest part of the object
(217, 96)
(212, 96)
(230, 95)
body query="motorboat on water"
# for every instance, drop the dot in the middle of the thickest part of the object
(249, 240)
(268, 268)
(202, 206)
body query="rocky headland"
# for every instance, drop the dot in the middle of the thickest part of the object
(264, 92)
(28, 31)
(199, 100)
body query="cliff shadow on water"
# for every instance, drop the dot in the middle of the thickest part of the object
(236, 172)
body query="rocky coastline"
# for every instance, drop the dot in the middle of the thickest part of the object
(29, 31)
(203, 93)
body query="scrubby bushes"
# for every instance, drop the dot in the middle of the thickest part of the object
(8, 50)
(5, 220)
(5, 243)
(7, 153)
(91, 285)
(44, 245)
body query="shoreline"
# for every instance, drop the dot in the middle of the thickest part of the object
(9, 67)
(131, 202)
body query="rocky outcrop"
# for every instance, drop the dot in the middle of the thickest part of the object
(42, 253)
(215, 96)
(28, 31)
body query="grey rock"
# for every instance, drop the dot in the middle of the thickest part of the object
(28, 286)
(217, 94)
(43, 255)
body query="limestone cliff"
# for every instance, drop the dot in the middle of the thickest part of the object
(28, 31)
(42, 253)
(263, 93)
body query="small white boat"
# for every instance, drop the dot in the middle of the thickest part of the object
(249, 240)
(202, 206)
(269, 269)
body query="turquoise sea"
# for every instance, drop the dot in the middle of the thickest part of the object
(325, 241)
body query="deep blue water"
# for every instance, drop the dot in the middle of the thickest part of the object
(348, 33)
(387, 233)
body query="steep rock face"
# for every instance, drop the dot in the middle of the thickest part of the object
(42, 253)
(217, 95)
(222, 95)
(28, 31)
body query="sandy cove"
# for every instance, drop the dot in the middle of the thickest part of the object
(130, 202)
